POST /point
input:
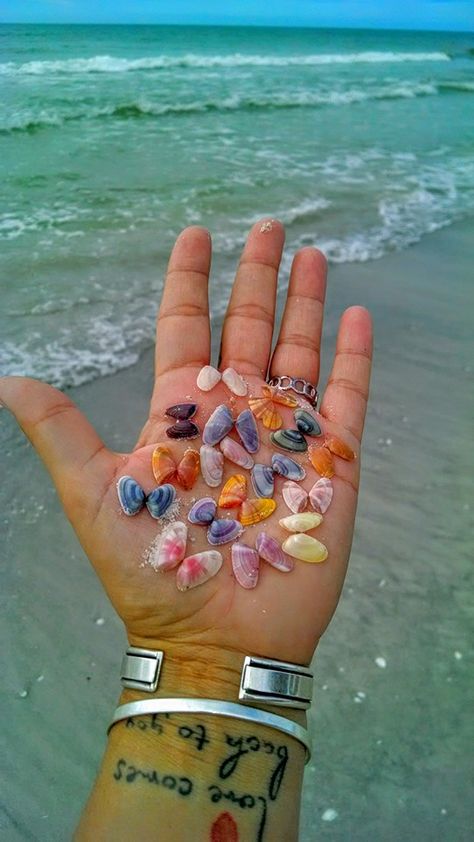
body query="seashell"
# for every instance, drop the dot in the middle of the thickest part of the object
(302, 522)
(306, 423)
(234, 452)
(160, 499)
(171, 546)
(286, 467)
(162, 464)
(181, 411)
(223, 530)
(295, 497)
(183, 430)
(262, 480)
(289, 440)
(270, 550)
(131, 495)
(218, 425)
(197, 569)
(234, 492)
(321, 460)
(203, 511)
(255, 510)
(264, 409)
(245, 564)
(339, 448)
(246, 427)
(278, 396)
(234, 382)
(305, 548)
(320, 495)
(207, 378)
(212, 465)
(188, 469)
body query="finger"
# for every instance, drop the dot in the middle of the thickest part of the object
(248, 324)
(347, 391)
(70, 448)
(183, 335)
(297, 352)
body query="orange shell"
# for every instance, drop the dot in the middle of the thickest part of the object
(255, 510)
(321, 460)
(263, 408)
(278, 396)
(162, 464)
(188, 469)
(233, 493)
(339, 448)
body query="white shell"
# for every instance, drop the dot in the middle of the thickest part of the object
(295, 497)
(207, 378)
(303, 522)
(212, 465)
(170, 547)
(234, 382)
(197, 569)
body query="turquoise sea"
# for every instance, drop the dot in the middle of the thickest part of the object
(114, 138)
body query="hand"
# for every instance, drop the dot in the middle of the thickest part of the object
(287, 612)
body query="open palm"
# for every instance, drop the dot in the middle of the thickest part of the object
(285, 613)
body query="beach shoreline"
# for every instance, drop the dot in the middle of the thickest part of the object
(390, 741)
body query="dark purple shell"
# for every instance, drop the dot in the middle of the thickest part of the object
(182, 411)
(203, 511)
(183, 430)
(223, 530)
(247, 429)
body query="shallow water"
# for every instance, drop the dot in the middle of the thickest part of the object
(114, 138)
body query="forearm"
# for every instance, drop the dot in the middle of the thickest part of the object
(196, 777)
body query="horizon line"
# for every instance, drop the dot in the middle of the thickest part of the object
(230, 25)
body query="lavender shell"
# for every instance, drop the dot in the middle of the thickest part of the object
(247, 429)
(223, 530)
(262, 480)
(245, 565)
(286, 467)
(234, 452)
(203, 512)
(270, 550)
(218, 425)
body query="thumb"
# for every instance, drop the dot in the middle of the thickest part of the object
(67, 443)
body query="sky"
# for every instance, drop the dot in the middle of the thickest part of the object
(396, 14)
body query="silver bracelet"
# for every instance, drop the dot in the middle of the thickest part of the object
(214, 707)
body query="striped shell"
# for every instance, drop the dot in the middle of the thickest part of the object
(262, 480)
(264, 409)
(320, 495)
(218, 425)
(188, 469)
(212, 465)
(246, 427)
(131, 495)
(197, 569)
(223, 530)
(255, 510)
(203, 512)
(270, 550)
(162, 463)
(234, 492)
(295, 497)
(279, 397)
(321, 460)
(245, 565)
(160, 500)
(171, 547)
(286, 467)
(234, 452)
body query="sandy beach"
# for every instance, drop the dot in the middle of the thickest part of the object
(392, 725)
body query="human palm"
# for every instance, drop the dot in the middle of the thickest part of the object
(287, 612)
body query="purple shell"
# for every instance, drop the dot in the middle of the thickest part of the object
(262, 480)
(203, 511)
(247, 429)
(181, 411)
(270, 550)
(286, 467)
(160, 499)
(183, 430)
(218, 425)
(223, 530)
(131, 495)
(245, 564)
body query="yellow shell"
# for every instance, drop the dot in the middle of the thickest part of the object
(234, 492)
(255, 510)
(278, 396)
(302, 522)
(321, 460)
(162, 463)
(339, 448)
(305, 548)
(263, 408)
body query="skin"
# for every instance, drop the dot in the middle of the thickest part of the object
(205, 632)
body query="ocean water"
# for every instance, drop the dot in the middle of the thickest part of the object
(112, 139)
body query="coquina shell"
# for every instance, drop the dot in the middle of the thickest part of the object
(320, 495)
(262, 480)
(223, 530)
(253, 511)
(171, 547)
(207, 378)
(303, 522)
(234, 492)
(245, 565)
(339, 448)
(270, 550)
(234, 452)
(162, 463)
(295, 497)
(322, 461)
(246, 427)
(286, 467)
(203, 511)
(160, 500)
(289, 440)
(218, 425)
(188, 469)
(212, 465)
(305, 548)
(131, 495)
(306, 424)
(181, 411)
(197, 569)
(234, 382)
(183, 430)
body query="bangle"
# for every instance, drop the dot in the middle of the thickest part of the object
(217, 708)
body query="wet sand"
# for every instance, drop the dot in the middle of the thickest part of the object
(392, 723)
